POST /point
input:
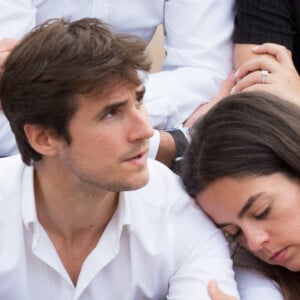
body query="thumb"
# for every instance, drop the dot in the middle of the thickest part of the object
(216, 294)
(7, 45)
(226, 87)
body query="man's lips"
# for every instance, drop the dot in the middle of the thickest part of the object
(138, 155)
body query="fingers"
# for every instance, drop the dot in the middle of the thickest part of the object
(224, 91)
(262, 62)
(3, 57)
(216, 294)
(254, 79)
(281, 53)
(7, 45)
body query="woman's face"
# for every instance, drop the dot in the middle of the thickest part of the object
(261, 212)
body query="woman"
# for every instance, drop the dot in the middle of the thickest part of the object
(243, 168)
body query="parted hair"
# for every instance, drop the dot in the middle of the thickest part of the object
(254, 134)
(57, 61)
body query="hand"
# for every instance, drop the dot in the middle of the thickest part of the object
(282, 80)
(216, 294)
(224, 91)
(6, 45)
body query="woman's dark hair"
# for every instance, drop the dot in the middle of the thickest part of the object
(57, 61)
(247, 134)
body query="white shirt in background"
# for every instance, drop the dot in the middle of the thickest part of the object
(254, 286)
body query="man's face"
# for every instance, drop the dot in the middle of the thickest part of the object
(109, 140)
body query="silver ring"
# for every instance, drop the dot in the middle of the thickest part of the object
(264, 76)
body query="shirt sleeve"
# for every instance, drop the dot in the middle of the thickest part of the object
(17, 17)
(252, 285)
(198, 46)
(263, 21)
(8, 144)
(201, 254)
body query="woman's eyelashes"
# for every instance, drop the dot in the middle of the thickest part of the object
(263, 214)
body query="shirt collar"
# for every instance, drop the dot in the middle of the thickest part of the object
(122, 216)
(27, 197)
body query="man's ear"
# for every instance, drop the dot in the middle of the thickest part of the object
(41, 140)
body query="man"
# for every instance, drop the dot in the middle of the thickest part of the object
(198, 51)
(86, 215)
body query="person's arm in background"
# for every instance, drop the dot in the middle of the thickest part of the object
(198, 47)
(16, 18)
(7, 141)
(258, 22)
(261, 21)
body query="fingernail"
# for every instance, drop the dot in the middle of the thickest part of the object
(255, 48)
(232, 91)
(236, 74)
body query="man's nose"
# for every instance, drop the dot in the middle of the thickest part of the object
(140, 127)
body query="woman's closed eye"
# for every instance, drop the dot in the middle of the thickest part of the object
(263, 214)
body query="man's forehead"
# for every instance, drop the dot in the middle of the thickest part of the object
(114, 86)
(117, 90)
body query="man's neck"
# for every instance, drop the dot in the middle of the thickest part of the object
(68, 208)
(74, 219)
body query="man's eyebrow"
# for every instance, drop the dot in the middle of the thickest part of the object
(115, 105)
(244, 209)
(110, 107)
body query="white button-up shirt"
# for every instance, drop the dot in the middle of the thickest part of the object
(158, 245)
(198, 44)
(253, 285)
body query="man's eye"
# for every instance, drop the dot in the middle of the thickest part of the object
(139, 100)
(111, 113)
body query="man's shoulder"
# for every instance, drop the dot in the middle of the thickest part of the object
(164, 191)
(164, 183)
(165, 205)
(157, 169)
